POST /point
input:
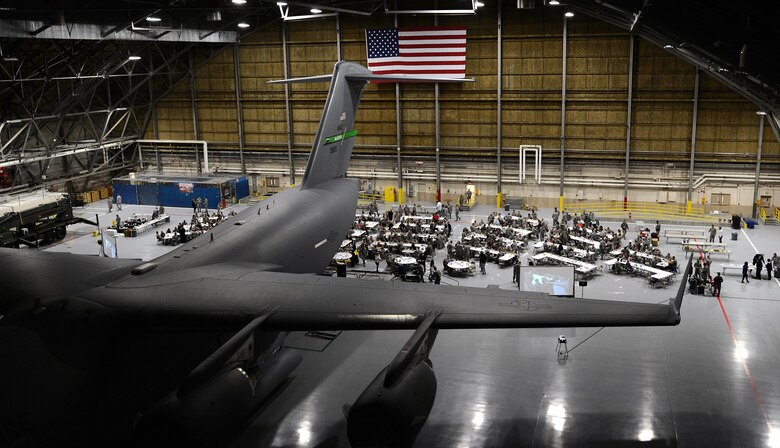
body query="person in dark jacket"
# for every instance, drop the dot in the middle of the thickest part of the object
(434, 277)
(516, 271)
(482, 262)
(769, 270)
(716, 282)
(745, 271)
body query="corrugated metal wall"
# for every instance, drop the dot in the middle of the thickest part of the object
(597, 65)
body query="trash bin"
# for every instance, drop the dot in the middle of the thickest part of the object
(506, 207)
(736, 221)
(734, 236)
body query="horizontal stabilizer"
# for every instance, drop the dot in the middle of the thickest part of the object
(367, 78)
(318, 78)
(404, 78)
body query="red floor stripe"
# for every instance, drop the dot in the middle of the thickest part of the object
(752, 382)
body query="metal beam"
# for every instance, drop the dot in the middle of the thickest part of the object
(38, 29)
(239, 108)
(288, 112)
(438, 126)
(499, 112)
(563, 110)
(694, 127)
(758, 164)
(398, 126)
(628, 117)
(194, 108)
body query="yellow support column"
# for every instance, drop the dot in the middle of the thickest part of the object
(690, 207)
(560, 204)
(401, 196)
(498, 200)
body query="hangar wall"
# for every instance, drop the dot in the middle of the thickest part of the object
(596, 107)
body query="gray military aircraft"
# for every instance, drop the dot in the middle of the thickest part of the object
(179, 351)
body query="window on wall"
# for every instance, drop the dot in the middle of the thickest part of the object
(721, 199)
(271, 181)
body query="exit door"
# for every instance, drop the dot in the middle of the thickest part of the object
(766, 201)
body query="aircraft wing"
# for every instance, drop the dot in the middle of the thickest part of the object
(229, 295)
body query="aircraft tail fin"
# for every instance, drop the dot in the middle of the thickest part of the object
(335, 137)
(677, 300)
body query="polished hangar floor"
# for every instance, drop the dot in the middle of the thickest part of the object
(710, 382)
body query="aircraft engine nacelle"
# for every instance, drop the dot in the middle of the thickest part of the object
(391, 416)
(211, 413)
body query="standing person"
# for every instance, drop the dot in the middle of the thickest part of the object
(769, 269)
(110, 204)
(194, 206)
(206, 203)
(758, 262)
(720, 234)
(624, 227)
(745, 271)
(457, 214)
(198, 202)
(555, 216)
(516, 271)
(377, 259)
(716, 282)
(119, 202)
(482, 262)
(713, 232)
(658, 228)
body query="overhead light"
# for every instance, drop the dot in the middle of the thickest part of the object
(479, 4)
(134, 58)
(239, 2)
(243, 25)
(281, 3)
(153, 19)
(316, 11)
(553, 3)
(646, 435)
(668, 47)
(761, 112)
(569, 14)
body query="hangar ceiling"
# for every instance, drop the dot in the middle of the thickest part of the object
(734, 41)
(79, 78)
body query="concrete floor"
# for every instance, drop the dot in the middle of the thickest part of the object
(712, 381)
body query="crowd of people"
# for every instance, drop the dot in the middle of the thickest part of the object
(201, 222)
(407, 231)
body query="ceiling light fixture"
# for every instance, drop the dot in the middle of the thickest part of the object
(668, 47)
(478, 4)
(153, 19)
(316, 11)
(239, 2)
(281, 3)
(569, 14)
(553, 3)
(243, 25)
(134, 58)
(760, 112)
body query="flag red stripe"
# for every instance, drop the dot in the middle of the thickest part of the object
(446, 36)
(437, 28)
(432, 46)
(417, 72)
(423, 55)
(383, 64)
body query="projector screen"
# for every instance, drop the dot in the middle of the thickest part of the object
(553, 280)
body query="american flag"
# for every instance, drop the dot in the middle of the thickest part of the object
(436, 51)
